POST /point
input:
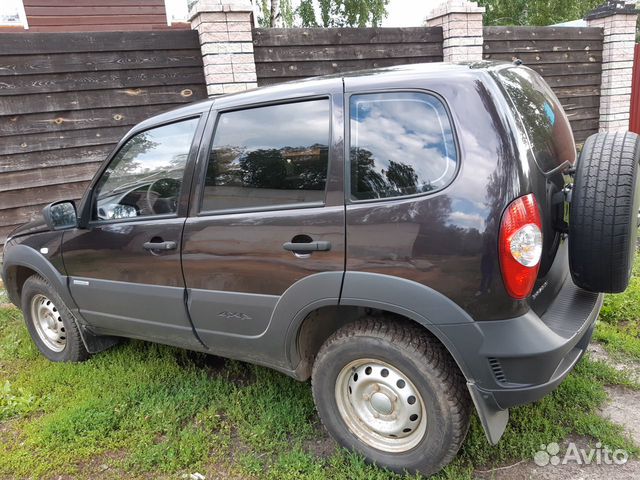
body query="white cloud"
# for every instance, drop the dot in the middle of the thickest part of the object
(409, 13)
(469, 220)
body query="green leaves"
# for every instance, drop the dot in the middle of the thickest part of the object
(14, 402)
(535, 12)
(326, 13)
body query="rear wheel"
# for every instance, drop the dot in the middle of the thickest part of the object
(603, 221)
(392, 393)
(50, 323)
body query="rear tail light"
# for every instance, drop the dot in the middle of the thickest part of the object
(520, 246)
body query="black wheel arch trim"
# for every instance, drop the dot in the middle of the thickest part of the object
(27, 257)
(396, 295)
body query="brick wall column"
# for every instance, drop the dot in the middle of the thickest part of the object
(618, 20)
(225, 31)
(461, 23)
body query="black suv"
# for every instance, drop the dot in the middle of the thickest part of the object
(417, 240)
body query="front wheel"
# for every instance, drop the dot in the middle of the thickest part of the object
(50, 323)
(392, 393)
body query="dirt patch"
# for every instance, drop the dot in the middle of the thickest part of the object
(104, 466)
(237, 372)
(321, 445)
(623, 405)
(630, 367)
(567, 469)
(623, 408)
(573, 471)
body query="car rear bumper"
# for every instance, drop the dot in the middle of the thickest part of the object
(520, 360)
(528, 364)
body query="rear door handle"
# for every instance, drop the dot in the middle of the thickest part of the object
(321, 246)
(159, 245)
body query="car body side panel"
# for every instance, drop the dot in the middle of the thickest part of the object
(237, 274)
(448, 240)
(121, 289)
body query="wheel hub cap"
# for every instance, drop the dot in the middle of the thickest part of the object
(380, 405)
(48, 323)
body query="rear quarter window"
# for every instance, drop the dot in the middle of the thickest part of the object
(402, 143)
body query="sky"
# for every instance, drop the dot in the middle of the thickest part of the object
(408, 13)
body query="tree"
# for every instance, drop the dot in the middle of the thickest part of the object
(275, 13)
(535, 12)
(321, 13)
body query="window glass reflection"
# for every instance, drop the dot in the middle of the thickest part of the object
(267, 156)
(145, 176)
(543, 119)
(401, 144)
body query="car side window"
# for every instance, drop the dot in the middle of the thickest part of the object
(269, 156)
(145, 177)
(402, 143)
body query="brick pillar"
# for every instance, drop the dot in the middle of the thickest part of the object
(224, 28)
(461, 23)
(618, 20)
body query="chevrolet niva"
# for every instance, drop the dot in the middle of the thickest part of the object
(420, 241)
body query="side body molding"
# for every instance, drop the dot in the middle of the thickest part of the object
(275, 347)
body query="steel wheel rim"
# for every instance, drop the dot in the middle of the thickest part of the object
(48, 323)
(380, 405)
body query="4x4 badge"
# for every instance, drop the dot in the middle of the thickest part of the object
(238, 315)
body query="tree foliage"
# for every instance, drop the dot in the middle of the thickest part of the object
(535, 12)
(322, 13)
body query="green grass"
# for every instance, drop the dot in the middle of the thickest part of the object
(619, 328)
(145, 410)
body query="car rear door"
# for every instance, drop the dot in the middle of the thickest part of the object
(124, 268)
(270, 180)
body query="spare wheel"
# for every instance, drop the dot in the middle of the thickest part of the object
(603, 220)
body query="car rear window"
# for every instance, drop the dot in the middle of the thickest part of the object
(543, 119)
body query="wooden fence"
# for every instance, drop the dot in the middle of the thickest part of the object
(569, 59)
(96, 15)
(283, 54)
(635, 93)
(67, 98)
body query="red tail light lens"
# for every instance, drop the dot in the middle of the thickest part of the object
(520, 246)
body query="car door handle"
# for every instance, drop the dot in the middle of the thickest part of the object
(159, 245)
(321, 246)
